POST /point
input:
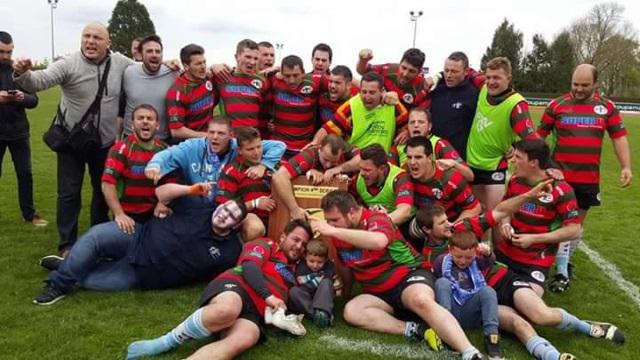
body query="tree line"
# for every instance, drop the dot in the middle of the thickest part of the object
(602, 37)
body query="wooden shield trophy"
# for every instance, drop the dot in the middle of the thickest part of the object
(308, 197)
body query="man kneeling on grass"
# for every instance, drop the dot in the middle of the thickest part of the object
(396, 284)
(193, 243)
(235, 302)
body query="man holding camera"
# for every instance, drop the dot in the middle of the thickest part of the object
(79, 75)
(14, 130)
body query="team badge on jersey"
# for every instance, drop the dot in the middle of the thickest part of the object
(306, 90)
(408, 98)
(600, 109)
(437, 193)
(546, 199)
(208, 85)
(256, 83)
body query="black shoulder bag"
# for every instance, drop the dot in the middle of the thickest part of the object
(84, 137)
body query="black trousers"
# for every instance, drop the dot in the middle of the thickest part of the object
(21, 156)
(71, 169)
(304, 299)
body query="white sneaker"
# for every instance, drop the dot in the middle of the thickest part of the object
(291, 323)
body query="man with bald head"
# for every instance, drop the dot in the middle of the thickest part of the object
(579, 119)
(78, 75)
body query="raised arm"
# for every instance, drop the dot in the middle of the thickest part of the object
(34, 81)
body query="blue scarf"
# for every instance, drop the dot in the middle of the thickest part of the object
(460, 295)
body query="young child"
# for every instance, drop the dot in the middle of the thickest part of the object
(462, 289)
(313, 296)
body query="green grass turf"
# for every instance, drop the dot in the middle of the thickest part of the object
(91, 325)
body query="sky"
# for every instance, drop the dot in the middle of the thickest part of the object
(347, 26)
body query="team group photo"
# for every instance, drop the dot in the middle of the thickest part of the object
(319, 181)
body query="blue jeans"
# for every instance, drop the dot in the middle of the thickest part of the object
(481, 310)
(98, 261)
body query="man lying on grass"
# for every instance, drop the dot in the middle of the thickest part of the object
(197, 241)
(234, 303)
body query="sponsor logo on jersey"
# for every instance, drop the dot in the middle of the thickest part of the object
(600, 109)
(230, 286)
(457, 105)
(519, 283)
(408, 98)
(416, 278)
(285, 272)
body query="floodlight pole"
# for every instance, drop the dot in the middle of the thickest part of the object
(279, 47)
(414, 17)
(53, 4)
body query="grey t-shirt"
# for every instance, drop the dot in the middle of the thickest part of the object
(140, 88)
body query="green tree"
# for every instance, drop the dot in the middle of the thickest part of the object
(507, 42)
(563, 61)
(129, 19)
(536, 66)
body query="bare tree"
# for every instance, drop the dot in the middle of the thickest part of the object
(607, 40)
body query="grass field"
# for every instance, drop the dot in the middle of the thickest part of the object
(91, 325)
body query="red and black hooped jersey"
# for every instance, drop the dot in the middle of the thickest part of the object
(294, 110)
(579, 128)
(235, 184)
(278, 273)
(190, 103)
(379, 271)
(539, 216)
(243, 97)
(447, 188)
(125, 164)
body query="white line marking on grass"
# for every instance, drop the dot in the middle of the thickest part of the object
(385, 350)
(612, 271)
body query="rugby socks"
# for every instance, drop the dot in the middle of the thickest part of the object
(562, 258)
(542, 349)
(191, 328)
(469, 353)
(411, 329)
(572, 323)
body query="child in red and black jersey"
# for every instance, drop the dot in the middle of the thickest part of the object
(129, 194)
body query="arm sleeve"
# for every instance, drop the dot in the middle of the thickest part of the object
(34, 81)
(437, 266)
(548, 121)
(30, 100)
(115, 164)
(521, 121)
(172, 158)
(403, 188)
(253, 276)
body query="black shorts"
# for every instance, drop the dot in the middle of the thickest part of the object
(507, 286)
(393, 297)
(489, 177)
(530, 273)
(249, 310)
(587, 195)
